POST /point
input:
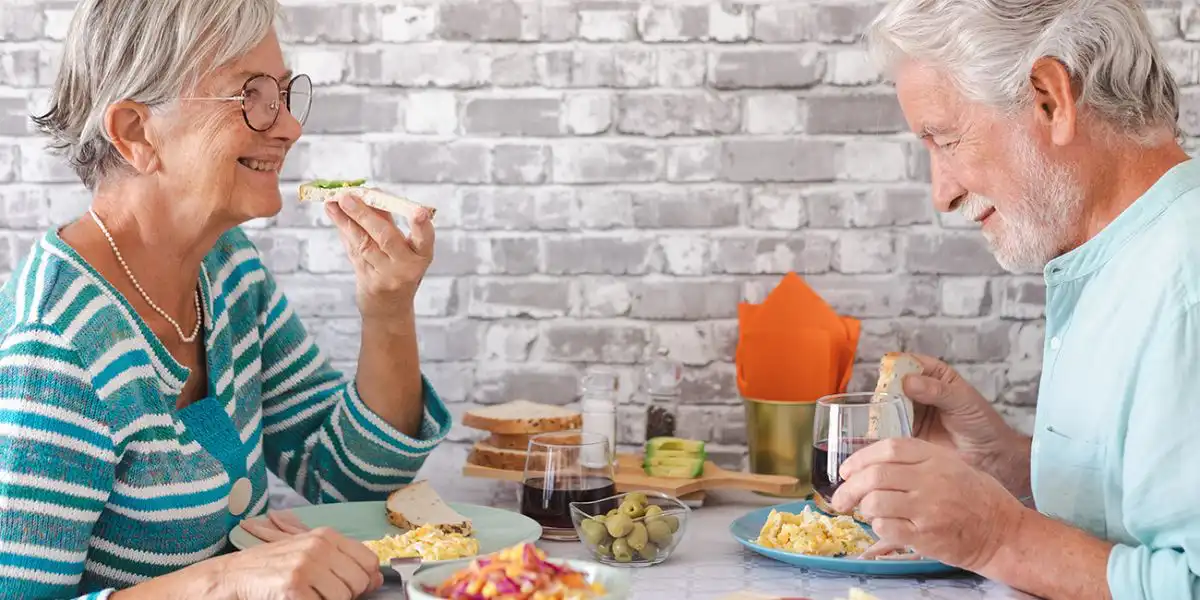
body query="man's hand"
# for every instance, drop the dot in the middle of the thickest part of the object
(923, 496)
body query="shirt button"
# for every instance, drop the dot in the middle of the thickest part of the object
(1055, 343)
(239, 496)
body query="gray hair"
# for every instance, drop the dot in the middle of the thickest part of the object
(147, 51)
(989, 47)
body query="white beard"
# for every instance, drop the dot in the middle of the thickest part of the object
(1031, 230)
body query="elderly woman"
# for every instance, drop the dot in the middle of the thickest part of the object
(152, 370)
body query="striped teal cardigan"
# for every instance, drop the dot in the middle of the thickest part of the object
(104, 483)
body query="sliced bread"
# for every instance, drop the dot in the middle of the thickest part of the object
(523, 417)
(418, 504)
(520, 441)
(486, 455)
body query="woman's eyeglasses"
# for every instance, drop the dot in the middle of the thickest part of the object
(262, 95)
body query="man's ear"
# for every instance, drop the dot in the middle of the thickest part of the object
(128, 126)
(1054, 100)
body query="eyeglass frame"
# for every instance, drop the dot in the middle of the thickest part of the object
(283, 91)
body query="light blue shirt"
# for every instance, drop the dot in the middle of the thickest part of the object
(1116, 450)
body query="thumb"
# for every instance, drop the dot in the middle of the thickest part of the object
(422, 236)
(926, 390)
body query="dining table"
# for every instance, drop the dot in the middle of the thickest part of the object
(709, 564)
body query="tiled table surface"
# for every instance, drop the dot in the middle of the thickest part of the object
(710, 564)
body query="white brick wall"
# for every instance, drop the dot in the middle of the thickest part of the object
(611, 176)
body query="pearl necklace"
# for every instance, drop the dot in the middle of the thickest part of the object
(178, 329)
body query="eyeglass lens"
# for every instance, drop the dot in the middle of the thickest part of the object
(261, 98)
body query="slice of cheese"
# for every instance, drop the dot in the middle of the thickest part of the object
(892, 369)
(374, 197)
(418, 504)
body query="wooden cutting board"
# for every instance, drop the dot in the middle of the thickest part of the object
(630, 476)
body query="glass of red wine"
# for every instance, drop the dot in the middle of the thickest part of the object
(846, 423)
(561, 468)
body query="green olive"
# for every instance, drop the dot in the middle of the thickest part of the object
(605, 546)
(599, 518)
(613, 512)
(619, 525)
(652, 511)
(632, 510)
(636, 497)
(621, 550)
(593, 532)
(659, 532)
(672, 521)
(638, 537)
(648, 552)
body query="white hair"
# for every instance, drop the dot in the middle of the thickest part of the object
(147, 51)
(988, 49)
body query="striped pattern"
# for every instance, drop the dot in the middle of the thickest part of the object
(103, 484)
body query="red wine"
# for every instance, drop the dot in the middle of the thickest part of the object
(825, 476)
(546, 499)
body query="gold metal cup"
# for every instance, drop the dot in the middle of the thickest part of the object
(780, 436)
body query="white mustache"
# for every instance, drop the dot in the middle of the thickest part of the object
(975, 206)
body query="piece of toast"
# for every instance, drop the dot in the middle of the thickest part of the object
(824, 507)
(313, 191)
(486, 455)
(893, 367)
(417, 504)
(522, 417)
(520, 441)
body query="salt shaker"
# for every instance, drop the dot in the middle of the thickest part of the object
(599, 404)
(660, 383)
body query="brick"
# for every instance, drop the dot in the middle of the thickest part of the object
(511, 256)
(510, 340)
(604, 162)
(559, 20)
(772, 113)
(14, 116)
(21, 23)
(715, 384)
(432, 162)
(853, 113)
(607, 25)
(602, 208)
(514, 67)
(281, 252)
(495, 21)
(988, 379)
(437, 297)
(456, 339)
(20, 67)
(66, 203)
(338, 158)
(323, 296)
(689, 343)
(407, 23)
(339, 339)
(455, 253)
(725, 339)
(918, 163)
(966, 296)
(353, 112)
(324, 252)
(454, 383)
(684, 254)
(23, 208)
(418, 66)
(1189, 22)
(631, 425)
(550, 384)
(497, 209)
(1023, 298)
(672, 23)
(1189, 107)
(554, 208)
(891, 207)
(687, 208)
(40, 166)
(1020, 395)
(1164, 23)
(950, 253)
(682, 67)
(512, 116)
(588, 113)
(777, 207)
(956, 220)
(767, 68)
(10, 159)
(869, 160)
(499, 298)
(520, 163)
(1025, 360)
(433, 112)
(851, 67)
(1181, 60)
(958, 341)
(58, 19)
(760, 255)
(661, 114)
(878, 337)
(779, 160)
(866, 252)
(341, 22)
(804, 22)
(693, 160)
(603, 297)
(591, 342)
(634, 67)
(683, 300)
(868, 296)
(599, 254)
(1019, 418)
(556, 67)
(325, 66)
(729, 22)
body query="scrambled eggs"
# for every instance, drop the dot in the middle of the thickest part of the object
(857, 594)
(813, 533)
(427, 542)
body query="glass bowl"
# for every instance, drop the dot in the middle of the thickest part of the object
(662, 520)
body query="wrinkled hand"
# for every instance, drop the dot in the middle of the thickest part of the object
(275, 525)
(949, 412)
(923, 496)
(388, 265)
(320, 564)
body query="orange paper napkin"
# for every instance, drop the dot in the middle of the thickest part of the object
(794, 347)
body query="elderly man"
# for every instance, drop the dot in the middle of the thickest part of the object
(1052, 124)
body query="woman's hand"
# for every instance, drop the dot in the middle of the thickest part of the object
(275, 525)
(320, 564)
(388, 265)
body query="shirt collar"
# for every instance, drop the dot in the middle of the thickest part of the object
(1094, 253)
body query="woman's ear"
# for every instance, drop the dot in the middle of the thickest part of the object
(128, 126)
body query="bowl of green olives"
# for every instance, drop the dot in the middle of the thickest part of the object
(634, 529)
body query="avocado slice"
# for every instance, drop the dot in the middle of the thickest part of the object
(333, 184)
(674, 444)
(674, 467)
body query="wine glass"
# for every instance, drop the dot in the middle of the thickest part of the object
(846, 423)
(561, 468)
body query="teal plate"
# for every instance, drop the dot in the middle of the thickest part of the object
(616, 582)
(495, 528)
(745, 531)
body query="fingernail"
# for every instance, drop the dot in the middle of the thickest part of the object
(344, 202)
